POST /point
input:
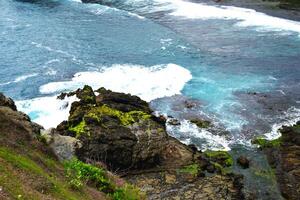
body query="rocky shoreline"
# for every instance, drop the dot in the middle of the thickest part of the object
(119, 133)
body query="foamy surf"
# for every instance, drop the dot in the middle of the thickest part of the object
(20, 78)
(291, 117)
(146, 82)
(47, 111)
(246, 17)
(186, 130)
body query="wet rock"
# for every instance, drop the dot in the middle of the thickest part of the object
(201, 123)
(120, 131)
(62, 96)
(190, 104)
(243, 161)
(7, 102)
(174, 122)
(284, 158)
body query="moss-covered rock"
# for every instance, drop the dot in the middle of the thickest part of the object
(264, 143)
(201, 123)
(117, 128)
(193, 169)
(223, 158)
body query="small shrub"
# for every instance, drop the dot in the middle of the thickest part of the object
(79, 173)
(128, 192)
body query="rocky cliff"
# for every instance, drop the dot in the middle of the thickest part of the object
(284, 156)
(109, 131)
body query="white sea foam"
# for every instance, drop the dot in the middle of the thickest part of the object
(291, 117)
(146, 82)
(20, 78)
(246, 17)
(47, 111)
(187, 130)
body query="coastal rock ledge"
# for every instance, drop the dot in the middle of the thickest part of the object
(119, 131)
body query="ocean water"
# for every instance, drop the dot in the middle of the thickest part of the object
(238, 67)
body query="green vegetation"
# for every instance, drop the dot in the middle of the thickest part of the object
(79, 129)
(128, 192)
(40, 172)
(221, 157)
(126, 118)
(296, 128)
(264, 143)
(201, 123)
(192, 169)
(80, 173)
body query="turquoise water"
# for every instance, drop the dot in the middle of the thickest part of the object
(240, 67)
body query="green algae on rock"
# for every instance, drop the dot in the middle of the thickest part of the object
(264, 143)
(223, 158)
(201, 123)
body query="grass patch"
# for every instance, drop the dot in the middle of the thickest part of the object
(79, 129)
(80, 173)
(192, 169)
(26, 168)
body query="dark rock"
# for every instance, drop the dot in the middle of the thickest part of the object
(284, 158)
(201, 123)
(243, 162)
(117, 129)
(121, 101)
(86, 95)
(174, 122)
(62, 96)
(7, 102)
(120, 131)
(190, 104)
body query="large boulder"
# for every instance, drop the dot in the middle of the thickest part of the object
(115, 128)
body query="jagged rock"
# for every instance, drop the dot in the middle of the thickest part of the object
(243, 161)
(284, 157)
(201, 123)
(120, 131)
(174, 122)
(116, 128)
(7, 102)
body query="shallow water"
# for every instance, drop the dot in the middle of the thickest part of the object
(241, 67)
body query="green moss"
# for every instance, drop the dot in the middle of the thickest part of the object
(221, 157)
(201, 123)
(192, 169)
(79, 129)
(266, 174)
(126, 118)
(264, 143)
(296, 128)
